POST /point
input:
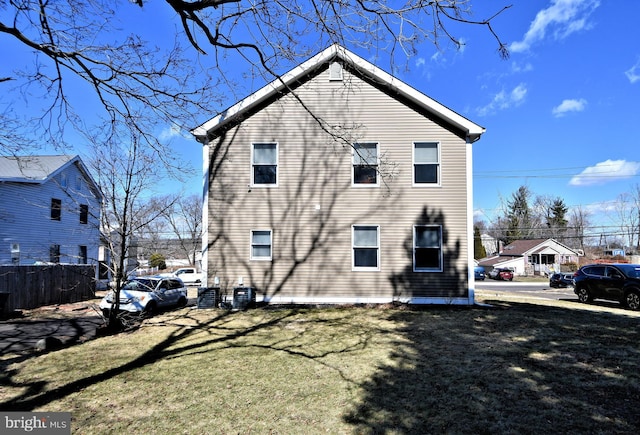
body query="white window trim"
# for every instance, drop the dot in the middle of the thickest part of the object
(270, 257)
(413, 164)
(353, 153)
(267, 186)
(353, 247)
(413, 254)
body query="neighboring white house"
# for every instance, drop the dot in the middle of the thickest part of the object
(532, 257)
(49, 211)
(338, 183)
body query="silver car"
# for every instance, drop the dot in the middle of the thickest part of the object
(147, 294)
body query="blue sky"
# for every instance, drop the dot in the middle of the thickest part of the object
(560, 113)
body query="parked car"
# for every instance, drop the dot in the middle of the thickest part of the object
(560, 280)
(188, 275)
(501, 273)
(613, 282)
(478, 271)
(147, 294)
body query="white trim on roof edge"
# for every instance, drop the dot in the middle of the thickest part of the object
(473, 130)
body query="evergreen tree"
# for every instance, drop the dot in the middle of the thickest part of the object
(557, 220)
(478, 247)
(519, 221)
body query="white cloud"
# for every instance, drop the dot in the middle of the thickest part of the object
(504, 100)
(633, 73)
(561, 19)
(569, 106)
(169, 133)
(605, 172)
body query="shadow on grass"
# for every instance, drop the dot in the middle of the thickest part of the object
(35, 395)
(514, 368)
(520, 368)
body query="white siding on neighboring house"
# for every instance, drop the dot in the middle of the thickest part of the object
(27, 231)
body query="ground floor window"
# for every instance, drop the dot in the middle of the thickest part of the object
(261, 244)
(54, 254)
(82, 255)
(427, 248)
(366, 247)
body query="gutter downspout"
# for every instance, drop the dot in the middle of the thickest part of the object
(204, 259)
(470, 245)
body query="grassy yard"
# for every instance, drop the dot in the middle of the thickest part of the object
(521, 366)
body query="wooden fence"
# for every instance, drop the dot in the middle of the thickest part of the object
(27, 287)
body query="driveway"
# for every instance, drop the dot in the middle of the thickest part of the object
(533, 289)
(68, 324)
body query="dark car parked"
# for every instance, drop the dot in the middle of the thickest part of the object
(478, 272)
(501, 274)
(559, 280)
(613, 282)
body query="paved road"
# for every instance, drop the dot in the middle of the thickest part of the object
(536, 289)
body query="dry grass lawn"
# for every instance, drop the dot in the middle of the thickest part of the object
(521, 366)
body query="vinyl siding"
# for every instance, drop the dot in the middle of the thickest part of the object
(313, 208)
(25, 217)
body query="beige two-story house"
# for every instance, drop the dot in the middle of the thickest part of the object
(338, 183)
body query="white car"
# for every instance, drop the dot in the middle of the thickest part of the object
(147, 294)
(188, 275)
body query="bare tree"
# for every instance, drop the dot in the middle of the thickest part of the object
(579, 223)
(125, 172)
(626, 217)
(185, 220)
(86, 44)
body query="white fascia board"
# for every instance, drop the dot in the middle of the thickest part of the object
(263, 94)
(473, 130)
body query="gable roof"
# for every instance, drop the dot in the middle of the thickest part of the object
(40, 169)
(522, 247)
(361, 67)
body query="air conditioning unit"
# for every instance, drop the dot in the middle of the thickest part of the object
(243, 298)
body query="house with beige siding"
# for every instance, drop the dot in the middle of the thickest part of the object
(338, 183)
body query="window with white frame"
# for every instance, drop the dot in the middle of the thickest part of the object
(427, 248)
(264, 164)
(366, 247)
(426, 163)
(261, 243)
(365, 164)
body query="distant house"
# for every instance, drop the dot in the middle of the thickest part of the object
(49, 211)
(532, 257)
(338, 183)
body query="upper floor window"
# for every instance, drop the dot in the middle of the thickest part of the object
(56, 209)
(79, 183)
(63, 180)
(264, 162)
(84, 213)
(365, 164)
(426, 163)
(261, 244)
(427, 248)
(366, 247)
